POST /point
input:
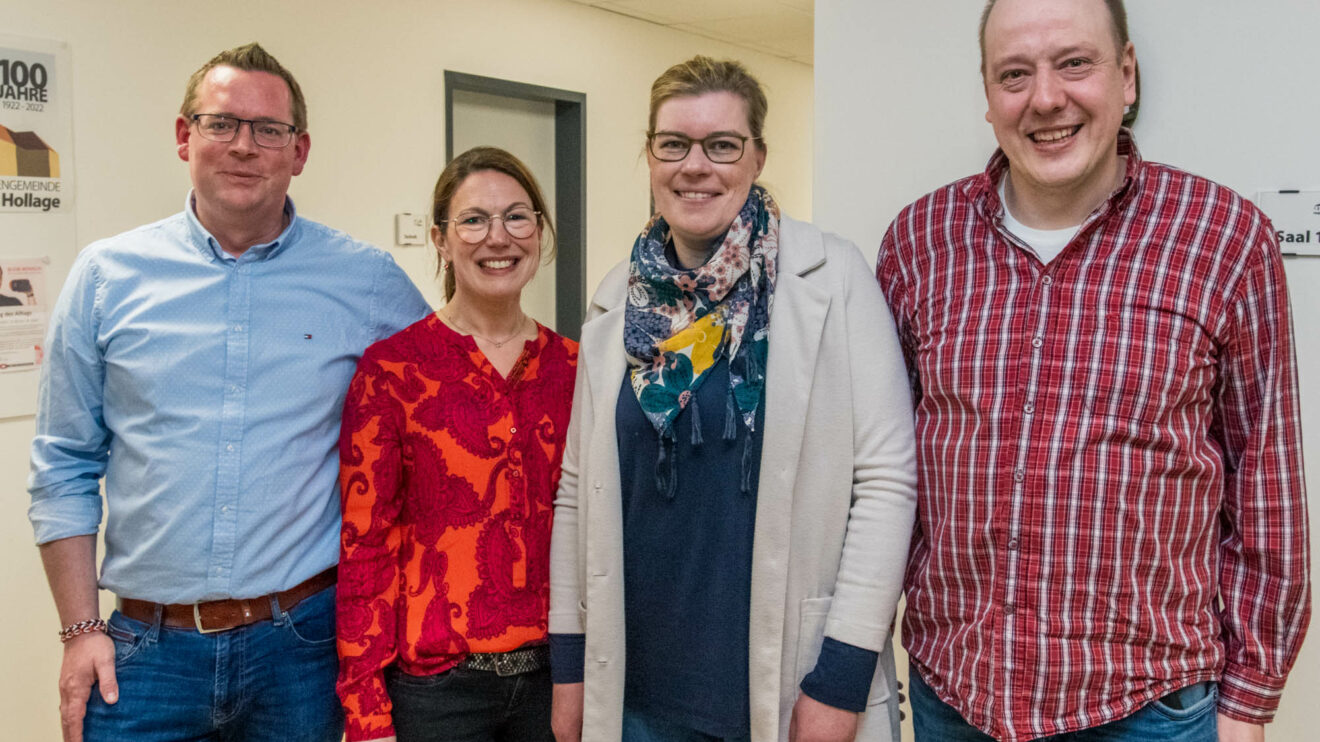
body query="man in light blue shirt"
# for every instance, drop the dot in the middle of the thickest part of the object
(199, 365)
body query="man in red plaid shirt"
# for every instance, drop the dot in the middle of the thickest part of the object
(1112, 535)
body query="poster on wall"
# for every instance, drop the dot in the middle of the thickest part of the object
(36, 127)
(24, 309)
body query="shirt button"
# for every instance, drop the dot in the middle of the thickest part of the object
(1047, 279)
(1012, 544)
(224, 508)
(513, 430)
(1009, 609)
(230, 447)
(515, 474)
(1029, 408)
(238, 328)
(1019, 474)
(1037, 342)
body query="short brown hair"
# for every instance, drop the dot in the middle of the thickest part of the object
(250, 58)
(1118, 25)
(477, 160)
(702, 74)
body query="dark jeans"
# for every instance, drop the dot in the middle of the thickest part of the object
(462, 705)
(1186, 715)
(271, 681)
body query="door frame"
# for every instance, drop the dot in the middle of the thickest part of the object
(570, 182)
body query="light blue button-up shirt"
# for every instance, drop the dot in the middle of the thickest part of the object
(207, 390)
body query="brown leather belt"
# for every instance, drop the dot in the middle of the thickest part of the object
(223, 615)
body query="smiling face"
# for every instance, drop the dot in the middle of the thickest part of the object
(1056, 86)
(699, 199)
(238, 181)
(496, 269)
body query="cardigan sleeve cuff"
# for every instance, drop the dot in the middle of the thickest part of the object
(567, 653)
(842, 676)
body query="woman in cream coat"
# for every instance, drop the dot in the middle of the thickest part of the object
(835, 492)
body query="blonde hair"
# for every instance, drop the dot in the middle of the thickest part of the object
(249, 58)
(700, 75)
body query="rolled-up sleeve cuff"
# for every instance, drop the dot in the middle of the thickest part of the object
(567, 652)
(376, 726)
(1249, 695)
(842, 676)
(54, 518)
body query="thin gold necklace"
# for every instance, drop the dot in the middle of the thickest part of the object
(451, 319)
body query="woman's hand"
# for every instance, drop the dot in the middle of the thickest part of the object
(814, 721)
(566, 712)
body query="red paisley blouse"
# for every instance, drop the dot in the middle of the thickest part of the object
(447, 473)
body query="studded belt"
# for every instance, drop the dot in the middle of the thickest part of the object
(504, 664)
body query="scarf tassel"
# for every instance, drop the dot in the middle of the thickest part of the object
(666, 473)
(730, 417)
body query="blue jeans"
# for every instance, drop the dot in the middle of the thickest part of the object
(273, 680)
(639, 727)
(1186, 715)
(462, 705)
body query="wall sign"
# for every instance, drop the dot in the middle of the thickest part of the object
(1296, 218)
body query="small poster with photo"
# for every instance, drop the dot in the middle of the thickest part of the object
(24, 311)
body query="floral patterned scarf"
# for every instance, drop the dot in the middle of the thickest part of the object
(679, 323)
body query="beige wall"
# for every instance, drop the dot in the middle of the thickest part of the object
(372, 73)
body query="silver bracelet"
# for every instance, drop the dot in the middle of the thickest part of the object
(82, 627)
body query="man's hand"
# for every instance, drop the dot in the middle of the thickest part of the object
(814, 721)
(88, 658)
(1232, 730)
(566, 712)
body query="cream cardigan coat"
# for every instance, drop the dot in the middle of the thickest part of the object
(835, 504)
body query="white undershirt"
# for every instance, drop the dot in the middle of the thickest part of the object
(1046, 243)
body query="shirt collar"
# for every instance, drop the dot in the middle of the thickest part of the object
(983, 189)
(209, 246)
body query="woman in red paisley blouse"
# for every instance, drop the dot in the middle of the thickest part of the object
(452, 438)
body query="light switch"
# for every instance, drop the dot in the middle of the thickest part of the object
(409, 229)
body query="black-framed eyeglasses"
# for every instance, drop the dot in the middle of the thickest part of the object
(721, 147)
(219, 127)
(519, 222)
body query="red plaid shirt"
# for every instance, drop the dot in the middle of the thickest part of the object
(1108, 446)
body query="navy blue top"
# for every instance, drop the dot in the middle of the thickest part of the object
(688, 563)
(688, 574)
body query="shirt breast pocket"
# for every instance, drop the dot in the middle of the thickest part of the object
(1146, 364)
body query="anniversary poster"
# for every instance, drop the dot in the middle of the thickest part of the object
(36, 129)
